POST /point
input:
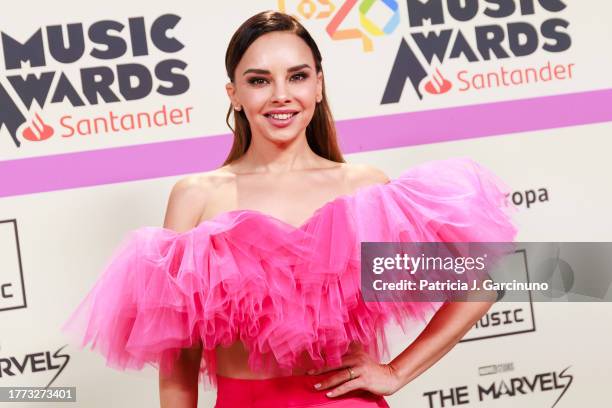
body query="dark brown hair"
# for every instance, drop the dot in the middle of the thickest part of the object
(321, 131)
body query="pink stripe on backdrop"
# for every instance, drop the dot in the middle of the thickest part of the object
(163, 159)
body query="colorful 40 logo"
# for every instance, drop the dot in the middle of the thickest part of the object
(338, 11)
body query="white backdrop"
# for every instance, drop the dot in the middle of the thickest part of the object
(67, 201)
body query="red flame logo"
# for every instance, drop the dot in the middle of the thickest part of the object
(41, 131)
(438, 84)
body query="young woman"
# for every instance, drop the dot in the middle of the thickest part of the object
(253, 283)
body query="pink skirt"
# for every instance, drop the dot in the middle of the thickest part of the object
(290, 391)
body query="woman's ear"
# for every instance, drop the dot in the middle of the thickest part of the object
(319, 86)
(231, 93)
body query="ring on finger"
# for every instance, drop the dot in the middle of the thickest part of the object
(351, 373)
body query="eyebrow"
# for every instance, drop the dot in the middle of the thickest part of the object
(266, 72)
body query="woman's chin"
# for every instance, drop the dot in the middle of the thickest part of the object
(283, 139)
(282, 135)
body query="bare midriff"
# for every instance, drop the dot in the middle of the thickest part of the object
(232, 362)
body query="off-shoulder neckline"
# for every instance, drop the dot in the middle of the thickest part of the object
(231, 214)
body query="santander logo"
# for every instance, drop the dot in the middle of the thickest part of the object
(437, 84)
(37, 130)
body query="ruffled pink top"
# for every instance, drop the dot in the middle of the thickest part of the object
(285, 292)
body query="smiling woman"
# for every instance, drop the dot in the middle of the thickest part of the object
(277, 86)
(253, 282)
(255, 87)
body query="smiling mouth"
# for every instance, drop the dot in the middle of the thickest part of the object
(280, 116)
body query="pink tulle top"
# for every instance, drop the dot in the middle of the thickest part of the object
(285, 292)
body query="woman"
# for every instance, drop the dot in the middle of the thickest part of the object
(251, 280)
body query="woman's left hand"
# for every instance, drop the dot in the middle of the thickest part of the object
(368, 374)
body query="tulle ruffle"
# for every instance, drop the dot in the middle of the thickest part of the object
(287, 293)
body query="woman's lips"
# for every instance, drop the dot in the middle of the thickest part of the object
(281, 123)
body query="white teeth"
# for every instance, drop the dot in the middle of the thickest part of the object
(281, 116)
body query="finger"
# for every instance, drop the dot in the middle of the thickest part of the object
(323, 370)
(340, 377)
(349, 361)
(345, 387)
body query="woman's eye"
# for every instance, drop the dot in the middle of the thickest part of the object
(257, 81)
(300, 77)
(262, 81)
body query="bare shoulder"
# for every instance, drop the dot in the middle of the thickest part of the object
(361, 175)
(189, 198)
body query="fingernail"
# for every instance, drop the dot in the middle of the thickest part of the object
(317, 385)
(329, 394)
(310, 371)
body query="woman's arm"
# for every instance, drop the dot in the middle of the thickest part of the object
(442, 333)
(179, 389)
(450, 323)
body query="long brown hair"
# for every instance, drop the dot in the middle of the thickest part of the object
(321, 131)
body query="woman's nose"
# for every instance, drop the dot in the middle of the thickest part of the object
(280, 93)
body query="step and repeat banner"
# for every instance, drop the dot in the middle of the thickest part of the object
(104, 107)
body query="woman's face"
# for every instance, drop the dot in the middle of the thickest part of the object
(277, 86)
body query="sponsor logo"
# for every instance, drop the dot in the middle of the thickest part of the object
(12, 287)
(507, 318)
(77, 66)
(435, 32)
(529, 197)
(483, 393)
(40, 361)
(495, 369)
